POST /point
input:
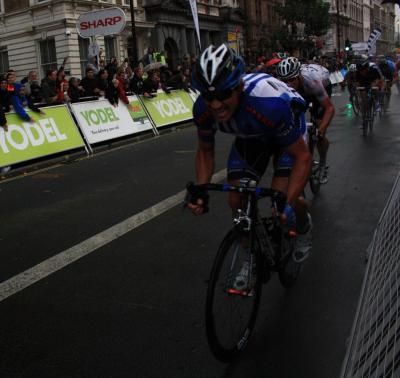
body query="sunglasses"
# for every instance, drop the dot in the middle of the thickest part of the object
(292, 80)
(218, 95)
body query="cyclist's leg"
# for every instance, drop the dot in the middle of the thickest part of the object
(280, 181)
(248, 159)
(322, 145)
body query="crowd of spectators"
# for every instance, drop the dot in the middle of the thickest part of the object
(113, 81)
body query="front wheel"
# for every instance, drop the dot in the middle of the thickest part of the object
(231, 311)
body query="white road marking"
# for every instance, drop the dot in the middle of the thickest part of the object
(67, 257)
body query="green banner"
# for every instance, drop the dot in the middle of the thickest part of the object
(50, 133)
(166, 109)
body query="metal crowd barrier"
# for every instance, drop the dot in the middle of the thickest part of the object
(374, 346)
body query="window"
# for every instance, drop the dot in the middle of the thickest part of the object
(127, 2)
(83, 53)
(4, 65)
(48, 55)
(109, 45)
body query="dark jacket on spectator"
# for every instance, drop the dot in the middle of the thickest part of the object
(111, 68)
(112, 94)
(35, 93)
(136, 85)
(49, 89)
(5, 100)
(178, 81)
(75, 94)
(89, 85)
(149, 86)
(103, 84)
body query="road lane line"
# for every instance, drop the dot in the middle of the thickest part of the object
(53, 264)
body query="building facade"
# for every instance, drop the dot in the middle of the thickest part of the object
(174, 33)
(355, 19)
(39, 34)
(261, 21)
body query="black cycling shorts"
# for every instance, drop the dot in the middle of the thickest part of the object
(249, 158)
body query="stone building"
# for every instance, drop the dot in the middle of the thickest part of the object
(355, 19)
(174, 33)
(261, 21)
(38, 34)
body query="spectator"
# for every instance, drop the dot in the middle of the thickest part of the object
(102, 82)
(89, 83)
(11, 79)
(62, 87)
(32, 78)
(112, 92)
(49, 87)
(5, 96)
(19, 102)
(181, 80)
(35, 94)
(112, 67)
(4, 99)
(122, 84)
(123, 78)
(93, 65)
(75, 90)
(152, 83)
(149, 57)
(136, 83)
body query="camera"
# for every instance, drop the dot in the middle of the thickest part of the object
(68, 33)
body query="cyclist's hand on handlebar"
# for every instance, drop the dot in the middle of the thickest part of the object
(288, 217)
(198, 208)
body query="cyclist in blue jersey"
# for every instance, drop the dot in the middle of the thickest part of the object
(264, 115)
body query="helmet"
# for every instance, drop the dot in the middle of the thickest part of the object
(218, 69)
(353, 67)
(363, 65)
(289, 68)
(273, 62)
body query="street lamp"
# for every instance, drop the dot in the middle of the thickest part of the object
(133, 28)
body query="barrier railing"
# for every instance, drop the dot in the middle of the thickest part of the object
(374, 347)
(58, 130)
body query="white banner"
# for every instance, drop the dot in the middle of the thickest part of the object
(375, 35)
(100, 121)
(193, 5)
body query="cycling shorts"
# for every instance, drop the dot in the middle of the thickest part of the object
(249, 158)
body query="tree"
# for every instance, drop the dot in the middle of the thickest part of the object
(304, 20)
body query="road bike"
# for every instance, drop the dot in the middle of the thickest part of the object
(354, 100)
(369, 98)
(313, 138)
(261, 243)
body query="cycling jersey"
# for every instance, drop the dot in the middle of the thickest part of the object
(267, 110)
(270, 116)
(371, 75)
(386, 71)
(315, 81)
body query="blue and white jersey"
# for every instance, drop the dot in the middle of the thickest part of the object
(268, 109)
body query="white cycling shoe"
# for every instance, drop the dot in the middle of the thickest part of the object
(303, 244)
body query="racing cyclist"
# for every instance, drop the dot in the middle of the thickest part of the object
(312, 81)
(264, 115)
(368, 76)
(351, 81)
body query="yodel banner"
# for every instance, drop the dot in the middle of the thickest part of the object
(166, 109)
(51, 133)
(100, 121)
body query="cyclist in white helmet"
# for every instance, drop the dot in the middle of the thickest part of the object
(263, 114)
(312, 81)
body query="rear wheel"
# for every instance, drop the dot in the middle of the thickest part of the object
(355, 104)
(231, 311)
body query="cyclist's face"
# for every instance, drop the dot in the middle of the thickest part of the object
(223, 110)
(293, 83)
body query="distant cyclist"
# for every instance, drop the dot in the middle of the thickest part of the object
(264, 115)
(312, 81)
(350, 80)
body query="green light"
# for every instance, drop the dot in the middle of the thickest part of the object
(349, 106)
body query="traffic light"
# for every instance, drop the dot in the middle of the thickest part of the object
(347, 45)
